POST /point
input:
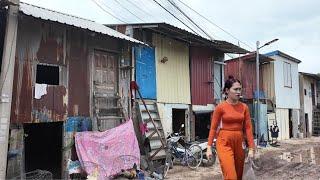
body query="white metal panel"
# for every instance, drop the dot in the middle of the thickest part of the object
(165, 112)
(286, 97)
(46, 14)
(282, 116)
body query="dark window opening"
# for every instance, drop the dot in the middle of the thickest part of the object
(47, 75)
(305, 92)
(313, 95)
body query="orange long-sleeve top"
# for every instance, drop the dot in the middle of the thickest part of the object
(231, 117)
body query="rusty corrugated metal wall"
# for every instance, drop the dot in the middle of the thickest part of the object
(49, 43)
(39, 43)
(245, 71)
(173, 76)
(201, 76)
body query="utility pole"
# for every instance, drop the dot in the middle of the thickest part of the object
(6, 81)
(258, 92)
(257, 115)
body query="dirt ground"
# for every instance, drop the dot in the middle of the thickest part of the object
(293, 159)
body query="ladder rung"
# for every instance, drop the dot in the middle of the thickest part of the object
(153, 111)
(149, 120)
(110, 117)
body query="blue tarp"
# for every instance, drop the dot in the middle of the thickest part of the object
(78, 124)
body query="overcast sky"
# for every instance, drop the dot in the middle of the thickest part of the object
(295, 22)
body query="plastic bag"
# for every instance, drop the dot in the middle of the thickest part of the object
(248, 172)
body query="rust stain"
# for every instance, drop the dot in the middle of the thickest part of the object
(14, 109)
(50, 51)
(78, 76)
(51, 106)
(25, 102)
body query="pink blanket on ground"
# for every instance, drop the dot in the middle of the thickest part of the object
(108, 152)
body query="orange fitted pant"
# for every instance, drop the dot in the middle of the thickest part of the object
(231, 153)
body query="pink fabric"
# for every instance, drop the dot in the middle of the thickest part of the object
(143, 128)
(108, 152)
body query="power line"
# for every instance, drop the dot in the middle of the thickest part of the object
(140, 8)
(178, 13)
(215, 24)
(129, 10)
(173, 4)
(175, 17)
(108, 11)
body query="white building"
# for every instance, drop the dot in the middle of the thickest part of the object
(308, 101)
(284, 76)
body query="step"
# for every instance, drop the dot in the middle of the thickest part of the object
(160, 155)
(155, 145)
(153, 128)
(109, 109)
(105, 95)
(151, 111)
(149, 120)
(154, 138)
(148, 102)
(109, 117)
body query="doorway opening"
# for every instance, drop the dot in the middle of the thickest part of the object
(178, 118)
(306, 118)
(202, 126)
(43, 147)
(290, 124)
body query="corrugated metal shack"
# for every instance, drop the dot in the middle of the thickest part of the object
(182, 75)
(66, 69)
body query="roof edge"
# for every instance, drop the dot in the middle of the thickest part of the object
(282, 54)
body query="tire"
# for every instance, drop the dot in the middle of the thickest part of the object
(167, 165)
(194, 156)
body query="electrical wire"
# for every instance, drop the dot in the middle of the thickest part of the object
(215, 24)
(129, 11)
(175, 17)
(108, 11)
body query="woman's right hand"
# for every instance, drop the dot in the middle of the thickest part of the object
(209, 152)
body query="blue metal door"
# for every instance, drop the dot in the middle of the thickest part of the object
(146, 71)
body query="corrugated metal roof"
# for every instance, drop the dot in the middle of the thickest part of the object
(314, 76)
(187, 36)
(252, 57)
(282, 54)
(46, 14)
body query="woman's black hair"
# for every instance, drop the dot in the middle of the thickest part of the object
(228, 84)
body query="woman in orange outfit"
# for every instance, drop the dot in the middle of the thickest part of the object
(233, 117)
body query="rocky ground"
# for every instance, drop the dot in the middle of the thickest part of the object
(293, 159)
